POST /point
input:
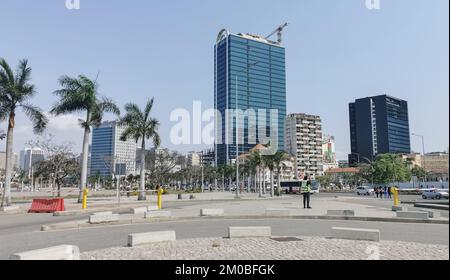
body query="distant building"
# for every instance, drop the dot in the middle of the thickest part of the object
(437, 165)
(109, 154)
(193, 159)
(378, 125)
(329, 152)
(29, 157)
(304, 142)
(207, 157)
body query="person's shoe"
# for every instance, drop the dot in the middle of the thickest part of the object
(309, 207)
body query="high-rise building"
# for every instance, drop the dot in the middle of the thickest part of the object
(378, 125)
(253, 69)
(27, 154)
(329, 153)
(304, 142)
(109, 154)
(193, 159)
(207, 157)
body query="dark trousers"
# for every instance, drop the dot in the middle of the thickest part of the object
(306, 199)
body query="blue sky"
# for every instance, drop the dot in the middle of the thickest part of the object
(336, 51)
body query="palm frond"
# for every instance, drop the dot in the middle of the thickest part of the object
(23, 73)
(36, 116)
(109, 106)
(148, 108)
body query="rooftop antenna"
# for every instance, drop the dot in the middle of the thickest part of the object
(279, 32)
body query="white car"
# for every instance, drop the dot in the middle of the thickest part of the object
(364, 190)
(434, 194)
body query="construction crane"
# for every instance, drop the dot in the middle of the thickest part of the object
(279, 32)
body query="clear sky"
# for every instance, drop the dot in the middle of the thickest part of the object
(336, 51)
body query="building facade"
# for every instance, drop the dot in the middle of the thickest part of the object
(253, 69)
(304, 142)
(437, 165)
(378, 125)
(110, 155)
(29, 157)
(329, 152)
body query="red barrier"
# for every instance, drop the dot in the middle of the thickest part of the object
(47, 205)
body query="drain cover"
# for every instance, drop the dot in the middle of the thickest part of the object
(286, 239)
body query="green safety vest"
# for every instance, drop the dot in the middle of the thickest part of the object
(305, 188)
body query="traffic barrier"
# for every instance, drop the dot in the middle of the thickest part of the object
(63, 252)
(412, 215)
(43, 205)
(139, 210)
(346, 213)
(355, 233)
(432, 214)
(157, 214)
(399, 208)
(152, 208)
(211, 212)
(239, 232)
(11, 208)
(99, 219)
(135, 239)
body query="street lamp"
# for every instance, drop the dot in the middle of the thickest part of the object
(237, 127)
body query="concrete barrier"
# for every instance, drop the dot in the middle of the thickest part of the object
(347, 213)
(278, 212)
(11, 208)
(103, 213)
(63, 252)
(157, 214)
(105, 218)
(211, 212)
(399, 208)
(412, 215)
(355, 233)
(152, 208)
(139, 210)
(432, 214)
(239, 232)
(135, 239)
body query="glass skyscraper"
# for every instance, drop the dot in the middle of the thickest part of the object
(257, 67)
(378, 125)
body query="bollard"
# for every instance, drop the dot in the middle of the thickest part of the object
(395, 192)
(85, 193)
(160, 192)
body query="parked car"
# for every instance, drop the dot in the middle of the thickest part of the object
(434, 194)
(364, 190)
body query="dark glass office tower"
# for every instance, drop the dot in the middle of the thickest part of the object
(257, 67)
(378, 125)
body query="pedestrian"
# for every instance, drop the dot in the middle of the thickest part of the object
(385, 192)
(381, 192)
(389, 192)
(377, 191)
(306, 192)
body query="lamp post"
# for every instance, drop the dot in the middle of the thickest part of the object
(237, 127)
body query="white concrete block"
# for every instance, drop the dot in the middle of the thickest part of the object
(355, 233)
(99, 219)
(399, 208)
(278, 212)
(139, 210)
(211, 212)
(152, 208)
(11, 208)
(413, 215)
(63, 252)
(157, 214)
(432, 214)
(238, 232)
(135, 239)
(103, 213)
(347, 213)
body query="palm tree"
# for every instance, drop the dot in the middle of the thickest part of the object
(278, 159)
(16, 91)
(81, 95)
(269, 163)
(256, 161)
(140, 126)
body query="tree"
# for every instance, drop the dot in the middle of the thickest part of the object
(16, 92)
(256, 161)
(389, 168)
(60, 161)
(268, 161)
(81, 95)
(419, 172)
(278, 159)
(139, 125)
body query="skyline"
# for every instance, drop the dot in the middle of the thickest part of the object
(404, 55)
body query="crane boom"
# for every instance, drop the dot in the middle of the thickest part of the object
(278, 31)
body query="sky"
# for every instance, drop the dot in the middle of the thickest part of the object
(336, 51)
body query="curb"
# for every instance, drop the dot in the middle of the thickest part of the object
(432, 206)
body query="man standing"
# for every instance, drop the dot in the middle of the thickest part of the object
(306, 192)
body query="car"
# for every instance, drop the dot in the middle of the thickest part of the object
(434, 194)
(364, 190)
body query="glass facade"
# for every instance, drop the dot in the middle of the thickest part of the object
(254, 71)
(378, 125)
(102, 150)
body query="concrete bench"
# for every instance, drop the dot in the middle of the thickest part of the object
(240, 232)
(355, 234)
(62, 252)
(399, 208)
(413, 215)
(139, 210)
(104, 218)
(211, 212)
(157, 214)
(278, 212)
(346, 213)
(135, 239)
(432, 214)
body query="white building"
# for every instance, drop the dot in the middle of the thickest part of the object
(193, 159)
(303, 140)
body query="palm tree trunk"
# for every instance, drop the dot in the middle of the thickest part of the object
(8, 165)
(260, 184)
(272, 187)
(256, 181)
(279, 182)
(249, 178)
(141, 195)
(84, 162)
